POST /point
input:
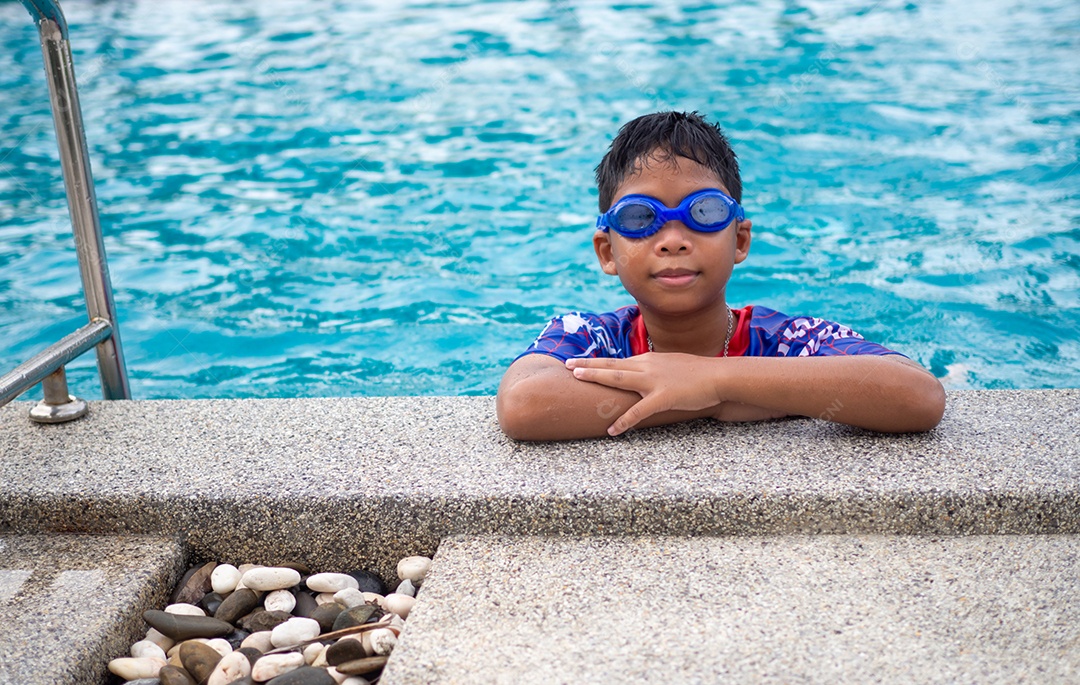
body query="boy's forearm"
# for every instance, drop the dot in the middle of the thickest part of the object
(559, 407)
(871, 392)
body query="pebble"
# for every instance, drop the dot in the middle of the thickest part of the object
(194, 584)
(220, 646)
(183, 609)
(349, 597)
(294, 631)
(181, 628)
(355, 680)
(326, 615)
(331, 582)
(232, 667)
(199, 660)
(154, 635)
(239, 603)
(368, 582)
(146, 648)
(362, 666)
(414, 569)
(382, 641)
(312, 652)
(356, 616)
(406, 587)
(325, 598)
(210, 602)
(305, 675)
(175, 675)
(305, 604)
(260, 619)
(280, 600)
(348, 648)
(398, 604)
(270, 578)
(274, 665)
(251, 653)
(224, 578)
(259, 641)
(131, 668)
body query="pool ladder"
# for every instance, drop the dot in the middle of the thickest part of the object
(47, 367)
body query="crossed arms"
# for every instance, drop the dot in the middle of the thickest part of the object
(541, 398)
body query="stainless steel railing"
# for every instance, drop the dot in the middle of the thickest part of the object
(47, 367)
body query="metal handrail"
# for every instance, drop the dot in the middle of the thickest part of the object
(102, 331)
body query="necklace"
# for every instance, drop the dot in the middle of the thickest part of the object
(727, 338)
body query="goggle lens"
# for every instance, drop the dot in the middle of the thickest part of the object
(710, 211)
(635, 217)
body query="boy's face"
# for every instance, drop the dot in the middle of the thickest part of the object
(676, 270)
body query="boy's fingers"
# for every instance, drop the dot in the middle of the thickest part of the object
(624, 380)
(633, 416)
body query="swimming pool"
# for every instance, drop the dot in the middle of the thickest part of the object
(304, 199)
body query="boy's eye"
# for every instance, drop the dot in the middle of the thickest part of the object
(635, 217)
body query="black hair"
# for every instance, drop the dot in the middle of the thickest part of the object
(664, 136)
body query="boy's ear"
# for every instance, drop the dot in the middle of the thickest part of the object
(742, 240)
(602, 244)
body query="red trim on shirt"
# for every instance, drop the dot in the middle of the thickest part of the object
(740, 339)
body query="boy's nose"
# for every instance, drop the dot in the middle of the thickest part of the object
(674, 236)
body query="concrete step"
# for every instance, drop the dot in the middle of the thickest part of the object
(807, 609)
(70, 603)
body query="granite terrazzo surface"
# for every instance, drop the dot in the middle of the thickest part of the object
(763, 609)
(69, 603)
(383, 478)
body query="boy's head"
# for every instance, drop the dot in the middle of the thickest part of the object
(664, 136)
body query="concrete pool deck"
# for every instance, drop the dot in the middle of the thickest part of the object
(364, 481)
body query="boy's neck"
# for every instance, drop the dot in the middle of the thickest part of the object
(701, 333)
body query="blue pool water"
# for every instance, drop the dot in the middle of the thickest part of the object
(336, 198)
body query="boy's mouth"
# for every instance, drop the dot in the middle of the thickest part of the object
(675, 276)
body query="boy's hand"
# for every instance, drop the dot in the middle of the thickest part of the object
(665, 381)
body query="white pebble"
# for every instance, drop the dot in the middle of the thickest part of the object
(131, 668)
(382, 641)
(312, 652)
(414, 569)
(350, 597)
(373, 597)
(183, 609)
(220, 645)
(331, 582)
(273, 665)
(337, 675)
(398, 604)
(295, 631)
(146, 648)
(259, 641)
(160, 640)
(280, 600)
(266, 579)
(355, 680)
(244, 568)
(224, 578)
(406, 587)
(232, 667)
(320, 660)
(324, 598)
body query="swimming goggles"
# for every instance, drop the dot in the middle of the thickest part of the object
(639, 216)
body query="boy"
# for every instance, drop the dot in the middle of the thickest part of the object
(672, 229)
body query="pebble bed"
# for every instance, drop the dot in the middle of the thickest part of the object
(280, 625)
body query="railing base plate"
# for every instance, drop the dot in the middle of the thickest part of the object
(59, 413)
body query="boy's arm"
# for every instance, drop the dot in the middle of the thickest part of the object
(882, 393)
(539, 399)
